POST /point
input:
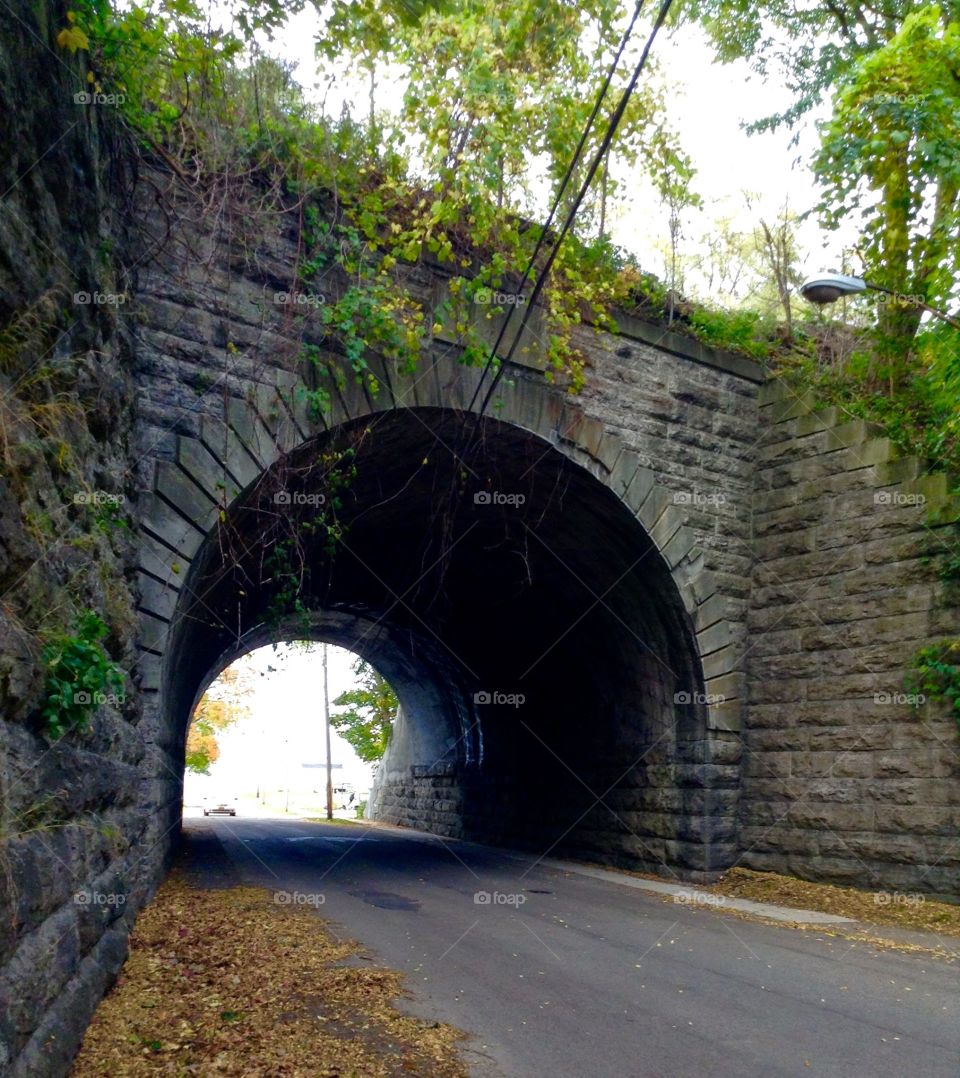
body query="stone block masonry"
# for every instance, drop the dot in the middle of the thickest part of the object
(670, 433)
(846, 777)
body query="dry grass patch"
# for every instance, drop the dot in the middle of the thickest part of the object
(226, 982)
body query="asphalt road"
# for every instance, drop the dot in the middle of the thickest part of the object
(585, 978)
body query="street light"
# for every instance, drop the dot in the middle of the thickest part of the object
(829, 287)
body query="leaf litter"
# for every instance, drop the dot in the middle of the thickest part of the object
(227, 982)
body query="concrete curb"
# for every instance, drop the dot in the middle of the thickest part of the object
(683, 894)
(687, 895)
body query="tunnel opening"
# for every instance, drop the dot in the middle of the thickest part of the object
(257, 741)
(549, 684)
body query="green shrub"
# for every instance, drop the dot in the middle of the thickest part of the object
(735, 331)
(79, 676)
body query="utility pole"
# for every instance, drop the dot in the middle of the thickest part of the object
(326, 720)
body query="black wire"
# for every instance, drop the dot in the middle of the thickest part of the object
(594, 165)
(559, 198)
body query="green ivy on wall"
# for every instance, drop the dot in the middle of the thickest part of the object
(936, 674)
(79, 676)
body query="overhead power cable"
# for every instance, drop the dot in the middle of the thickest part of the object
(574, 161)
(612, 126)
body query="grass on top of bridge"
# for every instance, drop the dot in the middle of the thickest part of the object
(244, 981)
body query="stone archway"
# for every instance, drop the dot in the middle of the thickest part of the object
(598, 546)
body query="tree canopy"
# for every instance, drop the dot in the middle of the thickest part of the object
(457, 165)
(891, 154)
(888, 159)
(371, 708)
(220, 707)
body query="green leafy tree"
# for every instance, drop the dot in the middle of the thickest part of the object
(889, 153)
(495, 99)
(812, 47)
(493, 102)
(371, 709)
(497, 94)
(892, 154)
(219, 708)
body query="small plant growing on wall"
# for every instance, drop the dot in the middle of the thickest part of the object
(936, 674)
(80, 675)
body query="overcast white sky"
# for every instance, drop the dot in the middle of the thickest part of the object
(285, 728)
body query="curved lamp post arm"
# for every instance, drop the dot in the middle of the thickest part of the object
(829, 287)
(917, 303)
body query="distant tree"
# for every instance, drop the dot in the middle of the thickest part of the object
(757, 270)
(776, 245)
(371, 709)
(722, 261)
(220, 706)
(672, 182)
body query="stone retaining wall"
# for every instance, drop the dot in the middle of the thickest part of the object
(843, 780)
(77, 844)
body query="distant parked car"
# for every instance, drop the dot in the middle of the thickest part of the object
(221, 807)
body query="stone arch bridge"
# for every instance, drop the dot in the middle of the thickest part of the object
(663, 624)
(654, 624)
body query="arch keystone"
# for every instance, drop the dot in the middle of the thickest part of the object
(656, 503)
(726, 716)
(678, 546)
(156, 597)
(666, 527)
(641, 483)
(196, 506)
(162, 522)
(209, 473)
(275, 417)
(224, 445)
(623, 472)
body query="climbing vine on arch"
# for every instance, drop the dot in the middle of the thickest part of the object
(297, 513)
(493, 100)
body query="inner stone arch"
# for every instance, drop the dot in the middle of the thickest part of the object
(417, 670)
(550, 686)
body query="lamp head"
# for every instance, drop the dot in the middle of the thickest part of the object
(829, 287)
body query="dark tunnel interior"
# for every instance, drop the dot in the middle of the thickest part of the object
(534, 636)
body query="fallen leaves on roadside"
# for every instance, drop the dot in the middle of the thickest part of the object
(226, 982)
(899, 909)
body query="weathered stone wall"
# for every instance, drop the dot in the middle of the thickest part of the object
(75, 859)
(437, 799)
(666, 424)
(844, 780)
